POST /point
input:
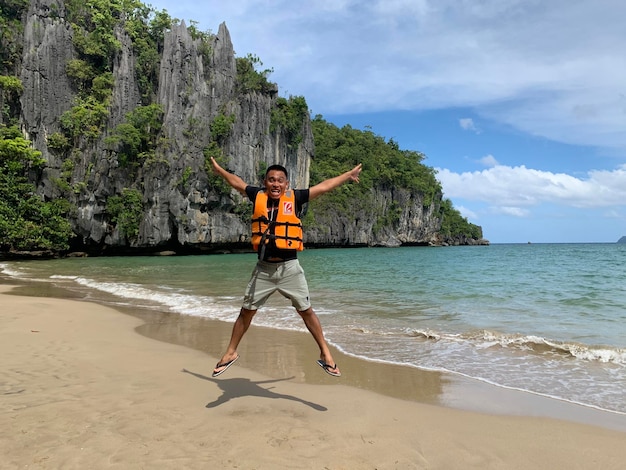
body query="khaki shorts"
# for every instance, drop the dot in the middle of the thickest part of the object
(287, 278)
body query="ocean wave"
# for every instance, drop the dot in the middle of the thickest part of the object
(5, 269)
(178, 302)
(484, 339)
(600, 354)
(222, 308)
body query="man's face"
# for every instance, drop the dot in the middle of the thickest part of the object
(276, 184)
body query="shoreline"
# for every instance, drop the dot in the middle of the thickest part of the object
(263, 348)
(295, 353)
(83, 389)
(278, 353)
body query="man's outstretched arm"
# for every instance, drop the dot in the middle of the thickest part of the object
(232, 179)
(332, 183)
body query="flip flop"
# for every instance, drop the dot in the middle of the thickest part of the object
(225, 366)
(327, 368)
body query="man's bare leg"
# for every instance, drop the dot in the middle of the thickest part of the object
(314, 326)
(240, 327)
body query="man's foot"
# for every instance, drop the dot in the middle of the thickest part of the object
(329, 369)
(220, 368)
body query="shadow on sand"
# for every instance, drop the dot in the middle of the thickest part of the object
(235, 388)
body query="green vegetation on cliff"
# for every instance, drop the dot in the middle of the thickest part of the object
(454, 225)
(27, 223)
(250, 78)
(289, 115)
(127, 211)
(11, 29)
(95, 26)
(136, 139)
(385, 166)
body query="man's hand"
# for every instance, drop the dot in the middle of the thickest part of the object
(332, 183)
(216, 168)
(355, 172)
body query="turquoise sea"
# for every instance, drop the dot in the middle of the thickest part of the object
(548, 319)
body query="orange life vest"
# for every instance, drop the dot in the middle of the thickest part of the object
(285, 229)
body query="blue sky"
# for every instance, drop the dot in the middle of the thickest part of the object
(520, 105)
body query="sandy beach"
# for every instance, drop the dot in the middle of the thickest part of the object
(87, 386)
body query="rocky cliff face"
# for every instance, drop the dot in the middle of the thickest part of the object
(412, 223)
(181, 208)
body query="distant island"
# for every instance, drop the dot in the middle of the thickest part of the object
(622, 240)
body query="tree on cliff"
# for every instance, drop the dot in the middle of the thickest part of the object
(385, 166)
(27, 223)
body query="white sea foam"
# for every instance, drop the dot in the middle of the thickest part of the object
(183, 303)
(9, 271)
(488, 339)
(617, 356)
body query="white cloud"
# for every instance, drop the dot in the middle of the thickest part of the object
(489, 161)
(468, 125)
(467, 213)
(515, 189)
(614, 214)
(513, 211)
(555, 69)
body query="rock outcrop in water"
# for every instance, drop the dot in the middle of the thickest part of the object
(182, 208)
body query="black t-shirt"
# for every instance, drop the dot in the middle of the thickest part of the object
(271, 252)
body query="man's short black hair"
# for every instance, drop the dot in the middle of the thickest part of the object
(277, 168)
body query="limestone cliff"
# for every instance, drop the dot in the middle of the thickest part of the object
(181, 206)
(413, 225)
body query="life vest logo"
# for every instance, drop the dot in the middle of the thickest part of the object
(288, 208)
